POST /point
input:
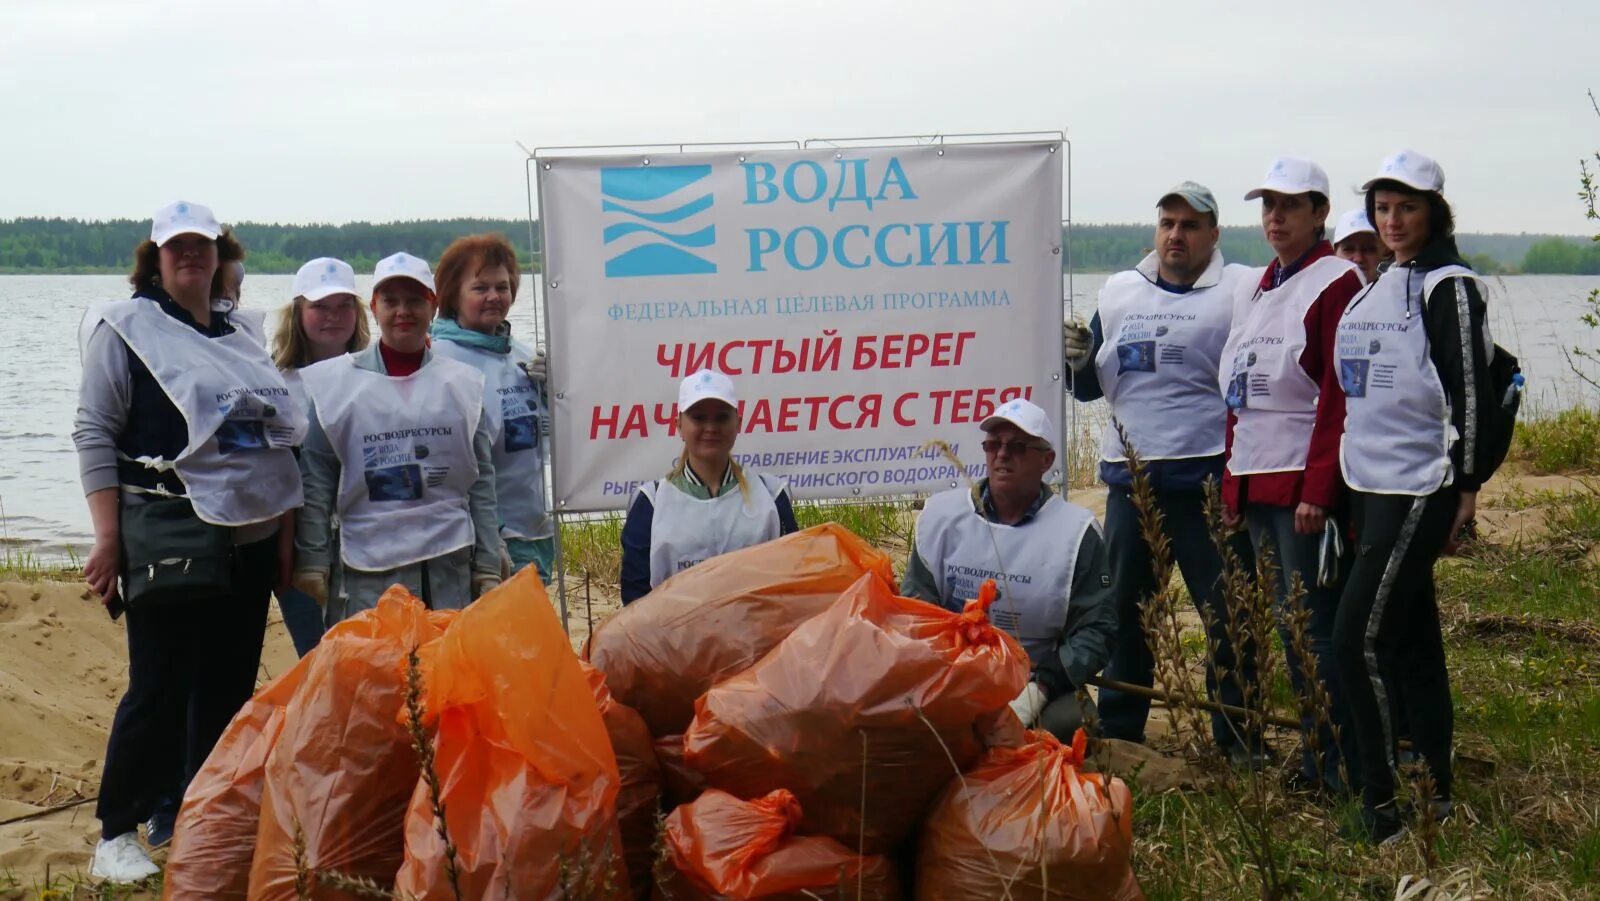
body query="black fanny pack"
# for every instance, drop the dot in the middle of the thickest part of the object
(171, 555)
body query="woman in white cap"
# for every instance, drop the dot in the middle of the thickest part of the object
(708, 504)
(323, 321)
(477, 279)
(1355, 239)
(1413, 357)
(184, 434)
(399, 449)
(1285, 415)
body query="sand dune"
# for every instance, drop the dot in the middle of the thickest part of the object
(63, 666)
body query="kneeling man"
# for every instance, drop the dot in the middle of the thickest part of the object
(1045, 553)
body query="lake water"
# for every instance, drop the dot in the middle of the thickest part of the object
(41, 502)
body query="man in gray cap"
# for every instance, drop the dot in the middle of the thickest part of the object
(1153, 351)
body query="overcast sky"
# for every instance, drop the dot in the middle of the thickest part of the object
(325, 111)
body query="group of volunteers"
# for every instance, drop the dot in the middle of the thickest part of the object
(1336, 403)
(217, 475)
(1342, 408)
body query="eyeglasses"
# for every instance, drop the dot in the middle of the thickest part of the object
(1015, 448)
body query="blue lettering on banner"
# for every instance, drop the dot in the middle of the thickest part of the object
(896, 245)
(632, 196)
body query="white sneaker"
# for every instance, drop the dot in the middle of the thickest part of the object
(122, 859)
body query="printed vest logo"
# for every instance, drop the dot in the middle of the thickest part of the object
(654, 216)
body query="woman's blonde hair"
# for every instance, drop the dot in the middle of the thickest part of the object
(291, 349)
(738, 474)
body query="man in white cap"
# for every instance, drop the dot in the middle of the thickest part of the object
(1045, 553)
(400, 449)
(1355, 239)
(1153, 352)
(708, 504)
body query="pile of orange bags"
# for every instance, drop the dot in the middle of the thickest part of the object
(861, 711)
(526, 773)
(214, 838)
(720, 847)
(701, 626)
(343, 767)
(639, 795)
(1032, 818)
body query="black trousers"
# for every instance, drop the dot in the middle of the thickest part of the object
(190, 668)
(1388, 641)
(1123, 715)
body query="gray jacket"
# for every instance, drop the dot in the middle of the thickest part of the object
(443, 581)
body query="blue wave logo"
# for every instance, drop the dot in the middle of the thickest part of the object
(654, 231)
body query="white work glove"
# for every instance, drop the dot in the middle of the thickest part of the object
(313, 582)
(538, 368)
(483, 583)
(1076, 344)
(506, 566)
(1029, 705)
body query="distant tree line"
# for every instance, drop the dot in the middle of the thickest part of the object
(72, 245)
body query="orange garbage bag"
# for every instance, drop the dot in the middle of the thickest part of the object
(525, 770)
(214, 838)
(861, 712)
(343, 768)
(1057, 832)
(639, 794)
(720, 847)
(663, 651)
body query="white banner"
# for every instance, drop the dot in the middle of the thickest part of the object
(865, 302)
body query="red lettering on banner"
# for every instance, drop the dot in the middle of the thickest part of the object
(871, 407)
(899, 404)
(833, 413)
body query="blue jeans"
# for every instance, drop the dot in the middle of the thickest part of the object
(540, 552)
(302, 615)
(1123, 715)
(1272, 527)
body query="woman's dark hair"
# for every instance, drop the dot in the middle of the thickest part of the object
(147, 263)
(1317, 199)
(1441, 220)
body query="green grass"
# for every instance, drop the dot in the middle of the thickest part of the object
(24, 565)
(1522, 634)
(1565, 442)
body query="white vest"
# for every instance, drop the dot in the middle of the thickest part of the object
(1397, 429)
(1273, 398)
(516, 419)
(237, 467)
(1158, 363)
(1032, 563)
(686, 530)
(406, 462)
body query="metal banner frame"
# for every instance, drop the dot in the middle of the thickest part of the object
(538, 158)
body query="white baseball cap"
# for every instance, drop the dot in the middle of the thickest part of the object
(1411, 169)
(1023, 414)
(706, 385)
(1292, 175)
(1352, 223)
(403, 265)
(183, 218)
(324, 277)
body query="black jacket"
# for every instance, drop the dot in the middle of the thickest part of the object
(1458, 342)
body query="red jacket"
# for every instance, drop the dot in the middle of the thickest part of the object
(1321, 482)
